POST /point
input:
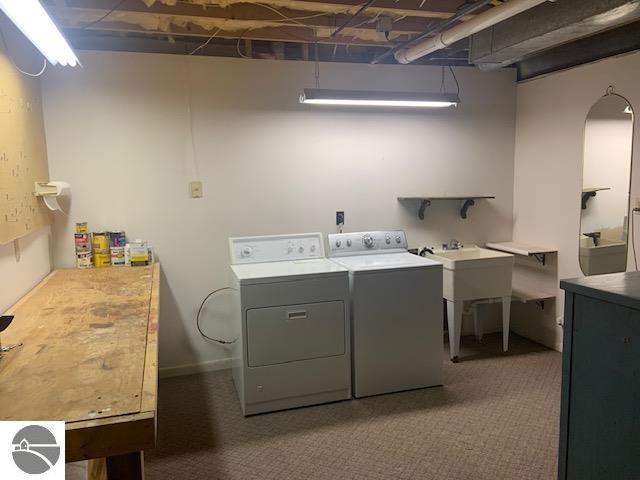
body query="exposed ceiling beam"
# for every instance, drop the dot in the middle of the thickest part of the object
(392, 8)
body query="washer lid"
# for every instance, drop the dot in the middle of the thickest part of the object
(271, 272)
(385, 261)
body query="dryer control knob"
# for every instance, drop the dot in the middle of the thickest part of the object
(301, 249)
(338, 243)
(368, 241)
(398, 239)
(246, 251)
(348, 242)
(387, 239)
(312, 248)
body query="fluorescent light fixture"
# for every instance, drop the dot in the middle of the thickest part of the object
(627, 109)
(363, 98)
(34, 22)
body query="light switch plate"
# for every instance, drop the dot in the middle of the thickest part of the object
(196, 189)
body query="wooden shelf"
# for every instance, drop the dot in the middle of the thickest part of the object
(425, 201)
(523, 249)
(526, 295)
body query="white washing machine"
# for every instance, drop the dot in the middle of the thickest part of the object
(396, 312)
(292, 323)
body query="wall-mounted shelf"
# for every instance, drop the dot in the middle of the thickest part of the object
(527, 295)
(467, 201)
(588, 193)
(516, 248)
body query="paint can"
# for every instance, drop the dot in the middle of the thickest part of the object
(82, 242)
(84, 259)
(82, 227)
(101, 242)
(102, 260)
(127, 255)
(117, 256)
(117, 239)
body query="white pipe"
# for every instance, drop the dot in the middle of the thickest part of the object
(465, 29)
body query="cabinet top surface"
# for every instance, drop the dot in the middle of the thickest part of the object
(623, 288)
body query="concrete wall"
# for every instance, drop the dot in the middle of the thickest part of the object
(117, 130)
(551, 113)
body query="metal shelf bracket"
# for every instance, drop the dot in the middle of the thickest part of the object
(469, 202)
(541, 257)
(423, 206)
(585, 198)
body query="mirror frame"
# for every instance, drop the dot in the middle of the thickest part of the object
(609, 92)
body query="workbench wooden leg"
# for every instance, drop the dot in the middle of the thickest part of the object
(126, 467)
(97, 469)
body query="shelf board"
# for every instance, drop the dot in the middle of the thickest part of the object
(425, 201)
(518, 248)
(526, 295)
(446, 197)
(595, 189)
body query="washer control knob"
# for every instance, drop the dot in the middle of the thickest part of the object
(312, 248)
(246, 251)
(289, 249)
(300, 249)
(387, 239)
(398, 239)
(338, 243)
(349, 242)
(368, 241)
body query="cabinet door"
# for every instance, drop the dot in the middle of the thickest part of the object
(295, 332)
(603, 424)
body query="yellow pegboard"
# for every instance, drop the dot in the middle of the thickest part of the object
(23, 154)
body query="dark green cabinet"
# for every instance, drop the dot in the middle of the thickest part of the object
(600, 412)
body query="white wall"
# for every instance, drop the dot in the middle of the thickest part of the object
(551, 113)
(21, 271)
(116, 130)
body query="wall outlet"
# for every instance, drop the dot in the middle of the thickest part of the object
(196, 189)
(339, 218)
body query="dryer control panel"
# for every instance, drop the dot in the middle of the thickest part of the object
(362, 243)
(276, 248)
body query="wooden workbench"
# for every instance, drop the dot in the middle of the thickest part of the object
(88, 356)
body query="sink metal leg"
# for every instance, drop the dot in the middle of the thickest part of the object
(477, 324)
(506, 316)
(454, 320)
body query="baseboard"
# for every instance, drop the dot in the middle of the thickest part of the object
(190, 369)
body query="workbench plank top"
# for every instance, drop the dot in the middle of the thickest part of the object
(89, 347)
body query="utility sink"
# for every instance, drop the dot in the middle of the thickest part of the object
(609, 256)
(474, 273)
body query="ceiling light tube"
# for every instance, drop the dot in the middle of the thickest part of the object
(363, 98)
(34, 22)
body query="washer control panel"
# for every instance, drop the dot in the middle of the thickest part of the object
(276, 248)
(359, 243)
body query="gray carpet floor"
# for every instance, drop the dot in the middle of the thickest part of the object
(496, 418)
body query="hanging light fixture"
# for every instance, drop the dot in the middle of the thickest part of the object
(36, 24)
(364, 98)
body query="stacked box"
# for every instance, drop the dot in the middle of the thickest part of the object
(82, 240)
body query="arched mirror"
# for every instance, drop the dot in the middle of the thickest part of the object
(606, 180)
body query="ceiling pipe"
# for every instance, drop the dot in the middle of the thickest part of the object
(463, 12)
(466, 29)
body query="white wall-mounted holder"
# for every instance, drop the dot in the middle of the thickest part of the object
(466, 201)
(50, 192)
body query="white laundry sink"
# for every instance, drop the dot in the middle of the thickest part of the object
(609, 256)
(474, 273)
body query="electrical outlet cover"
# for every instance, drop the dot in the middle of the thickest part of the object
(196, 189)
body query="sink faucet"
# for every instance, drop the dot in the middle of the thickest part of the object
(595, 236)
(452, 245)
